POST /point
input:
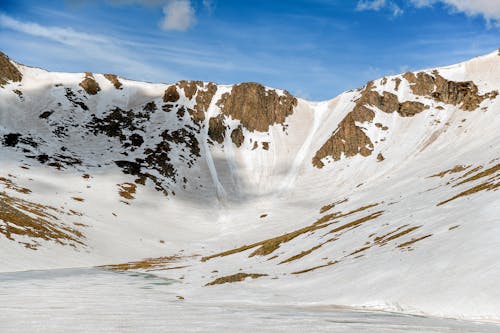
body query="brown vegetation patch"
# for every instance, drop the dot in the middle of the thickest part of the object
(455, 169)
(356, 223)
(8, 72)
(330, 263)
(326, 208)
(394, 235)
(488, 186)
(270, 245)
(89, 84)
(146, 264)
(338, 215)
(465, 94)
(412, 241)
(482, 174)
(127, 190)
(21, 218)
(235, 278)
(9, 184)
(114, 80)
(256, 107)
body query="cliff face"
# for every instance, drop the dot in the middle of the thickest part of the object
(99, 169)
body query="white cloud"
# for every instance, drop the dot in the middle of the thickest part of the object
(179, 15)
(489, 9)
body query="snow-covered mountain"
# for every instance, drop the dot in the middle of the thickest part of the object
(384, 197)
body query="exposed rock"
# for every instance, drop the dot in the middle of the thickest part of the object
(89, 84)
(237, 136)
(217, 128)
(205, 95)
(465, 94)
(257, 107)
(8, 72)
(171, 95)
(114, 80)
(380, 157)
(189, 87)
(349, 139)
(265, 145)
(397, 81)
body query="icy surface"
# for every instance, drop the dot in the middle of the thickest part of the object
(91, 300)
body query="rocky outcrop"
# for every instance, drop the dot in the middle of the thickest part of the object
(257, 107)
(349, 139)
(89, 84)
(237, 136)
(465, 94)
(217, 128)
(8, 72)
(171, 95)
(114, 80)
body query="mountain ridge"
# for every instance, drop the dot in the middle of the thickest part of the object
(219, 183)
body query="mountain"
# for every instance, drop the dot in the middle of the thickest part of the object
(385, 197)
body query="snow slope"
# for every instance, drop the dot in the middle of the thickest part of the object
(385, 197)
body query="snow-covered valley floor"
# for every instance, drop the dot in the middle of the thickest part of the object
(95, 300)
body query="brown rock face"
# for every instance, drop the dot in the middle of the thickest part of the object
(217, 128)
(237, 136)
(348, 138)
(171, 95)
(189, 87)
(8, 72)
(114, 80)
(89, 84)
(256, 107)
(465, 94)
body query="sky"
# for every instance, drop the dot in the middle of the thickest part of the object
(315, 49)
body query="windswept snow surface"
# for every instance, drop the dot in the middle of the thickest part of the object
(414, 232)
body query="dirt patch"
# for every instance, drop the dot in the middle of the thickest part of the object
(89, 84)
(8, 72)
(235, 278)
(256, 107)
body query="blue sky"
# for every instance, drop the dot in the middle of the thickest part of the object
(315, 49)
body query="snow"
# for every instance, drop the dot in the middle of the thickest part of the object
(453, 273)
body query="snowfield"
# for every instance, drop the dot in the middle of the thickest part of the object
(383, 198)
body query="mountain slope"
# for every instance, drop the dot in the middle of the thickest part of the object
(384, 197)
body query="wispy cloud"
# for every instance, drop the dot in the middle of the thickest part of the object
(377, 5)
(106, 50)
